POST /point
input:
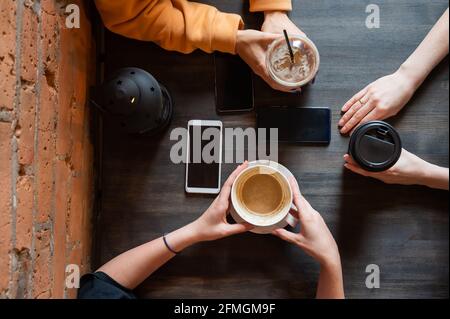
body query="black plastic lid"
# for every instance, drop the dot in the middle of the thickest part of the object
(375, 146)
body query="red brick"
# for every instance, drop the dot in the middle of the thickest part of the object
(78, 44)
(42, 271)
(24, 212)
(8, 27)
(21, 273)
(79, 126)
(50, 7)
(47, 110)
(61, 205)
(61, 175)
(7, 53)
(77, 150)
(87, 173)
(75, 50)
(7, 83)
(26, 123)
(49, 46)
(44, 190)
(29, 45)
(63, 130)
(77, 204)
(5, 204)
(46, 153)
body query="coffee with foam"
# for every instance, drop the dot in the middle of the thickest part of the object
(262, 192)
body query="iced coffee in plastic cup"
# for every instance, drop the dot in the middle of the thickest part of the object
(297, 72)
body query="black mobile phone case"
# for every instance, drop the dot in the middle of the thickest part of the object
(233, 84)
(308, 125)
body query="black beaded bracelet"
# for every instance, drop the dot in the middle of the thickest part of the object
(168, 246)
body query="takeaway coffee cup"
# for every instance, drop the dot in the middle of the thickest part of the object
(294, 73)
(375, 146)
(262, 196)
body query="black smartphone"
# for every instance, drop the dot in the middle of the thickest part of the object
(297, 124)
(234, 84)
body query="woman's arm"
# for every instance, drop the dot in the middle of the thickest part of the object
(409, 170)
(179, 25)
(184, 26)
(435, 177)
(176, 25)
(134, 266)
(270, 5)
(330, 281)
(429, 53)
(388, 95)
(317, 241)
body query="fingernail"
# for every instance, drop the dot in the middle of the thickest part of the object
(341, 122)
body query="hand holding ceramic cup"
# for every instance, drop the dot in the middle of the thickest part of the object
(262, 196)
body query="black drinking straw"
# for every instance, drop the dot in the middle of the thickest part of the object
(291, 53)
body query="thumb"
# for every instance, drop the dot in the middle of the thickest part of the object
(286, 235)
(349, 159)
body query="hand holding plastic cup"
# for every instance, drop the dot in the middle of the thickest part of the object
(293, 64)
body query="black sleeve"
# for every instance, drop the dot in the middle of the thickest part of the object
(99, 285)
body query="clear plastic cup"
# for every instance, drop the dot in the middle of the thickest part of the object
(302, 70)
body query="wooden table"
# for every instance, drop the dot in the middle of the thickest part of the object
(404, 230)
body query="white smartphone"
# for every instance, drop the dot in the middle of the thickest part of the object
(204, 157)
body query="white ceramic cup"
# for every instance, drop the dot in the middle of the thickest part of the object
(264, 223)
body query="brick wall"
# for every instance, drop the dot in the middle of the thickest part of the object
(45, 148)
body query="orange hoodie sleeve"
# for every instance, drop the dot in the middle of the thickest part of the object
(176, 25)
(270, 5)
